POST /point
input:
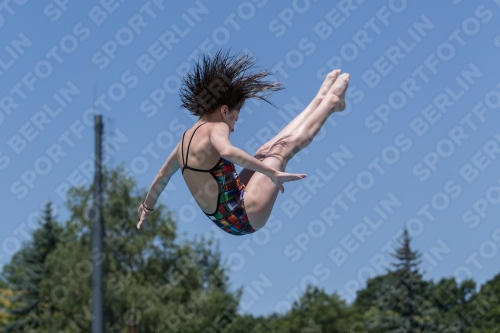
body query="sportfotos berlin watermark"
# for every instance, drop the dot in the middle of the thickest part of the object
(338, 157)
(50, 110)
(440, 200)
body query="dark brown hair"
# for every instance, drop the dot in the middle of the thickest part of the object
(224, 80)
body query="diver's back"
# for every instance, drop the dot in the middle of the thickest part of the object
(196, 158)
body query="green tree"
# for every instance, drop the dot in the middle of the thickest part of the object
(366, 297)
(452, 299)
(364, 309)
(252, 324)
(25, 274)
(152, 284)
(5, 305)
(404, 303)
(483, 309)
(314, 312)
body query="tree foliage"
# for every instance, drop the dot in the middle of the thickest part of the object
(403, 303)
(5, 305)
(25, 273)
(153, 283)
(314, 312)
(483, 309)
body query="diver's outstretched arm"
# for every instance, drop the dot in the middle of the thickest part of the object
(161, 180)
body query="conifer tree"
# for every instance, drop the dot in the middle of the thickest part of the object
(403, 302)
(25, 273)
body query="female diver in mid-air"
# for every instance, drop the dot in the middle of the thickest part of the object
(215, 90)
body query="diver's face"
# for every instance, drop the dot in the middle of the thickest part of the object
(231, 117)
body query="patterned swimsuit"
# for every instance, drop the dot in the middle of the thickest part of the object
(230, 214)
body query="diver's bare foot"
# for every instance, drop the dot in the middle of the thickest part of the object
(327, 84)
(339, 89)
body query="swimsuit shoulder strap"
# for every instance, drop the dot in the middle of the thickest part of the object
(182, 152)
(189, 145)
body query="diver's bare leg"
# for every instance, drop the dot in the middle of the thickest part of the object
(261, 192)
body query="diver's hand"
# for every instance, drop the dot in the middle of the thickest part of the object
(279, 178)
(143, 215)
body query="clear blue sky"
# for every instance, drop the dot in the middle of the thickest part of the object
(418, 145)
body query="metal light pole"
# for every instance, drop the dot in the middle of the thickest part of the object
(97, 250)
(98, 236)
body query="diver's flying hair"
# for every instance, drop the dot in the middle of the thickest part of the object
(224, 80)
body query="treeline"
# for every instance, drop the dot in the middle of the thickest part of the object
(153, 284)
